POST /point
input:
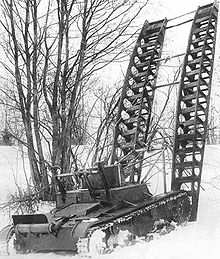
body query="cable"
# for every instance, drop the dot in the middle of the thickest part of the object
(178, 24)
(182, 15)
(181, 23)
(169, 57)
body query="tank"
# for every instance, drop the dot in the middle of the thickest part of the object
(96, 218)
(111, 205)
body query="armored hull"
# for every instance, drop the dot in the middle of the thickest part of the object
(70, 227)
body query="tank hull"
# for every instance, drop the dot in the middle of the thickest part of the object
(75, 222)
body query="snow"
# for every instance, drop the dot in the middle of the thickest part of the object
(12, 161)
(198, 239)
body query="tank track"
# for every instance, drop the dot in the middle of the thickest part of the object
(159, 225)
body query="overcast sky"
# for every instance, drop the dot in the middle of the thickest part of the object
(170, 8)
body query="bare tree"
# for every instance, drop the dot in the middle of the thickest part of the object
(53, 50)
(107, 110)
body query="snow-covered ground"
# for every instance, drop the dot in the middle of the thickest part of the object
(197, 240)
(12, 162)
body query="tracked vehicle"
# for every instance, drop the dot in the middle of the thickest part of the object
(114, 201)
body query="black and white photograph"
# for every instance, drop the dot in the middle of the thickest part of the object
(110, 129)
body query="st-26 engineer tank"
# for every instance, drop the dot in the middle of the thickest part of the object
(113, 204)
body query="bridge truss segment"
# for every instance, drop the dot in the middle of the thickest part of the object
(193, 104)
(134, 110)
